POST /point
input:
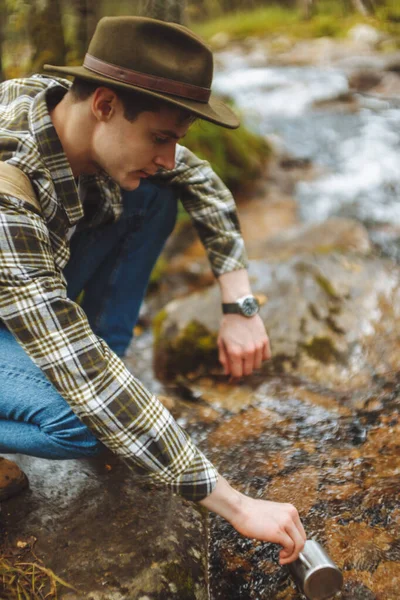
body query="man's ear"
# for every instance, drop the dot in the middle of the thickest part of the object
(103, 103)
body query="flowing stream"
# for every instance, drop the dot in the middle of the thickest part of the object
(357, 151)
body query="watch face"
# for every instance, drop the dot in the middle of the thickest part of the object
(249, 307)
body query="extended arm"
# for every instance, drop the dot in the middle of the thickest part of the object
(268, 521)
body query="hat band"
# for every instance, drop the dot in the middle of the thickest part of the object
(149, 82)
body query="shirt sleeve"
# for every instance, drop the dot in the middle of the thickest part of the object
(212, 209)
(55, 333)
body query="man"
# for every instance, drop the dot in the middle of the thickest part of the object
(64, 393)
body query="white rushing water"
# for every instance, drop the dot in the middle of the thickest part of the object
(359, 152)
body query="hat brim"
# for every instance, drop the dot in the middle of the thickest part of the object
(215, 111)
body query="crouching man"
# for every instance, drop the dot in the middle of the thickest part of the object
(66, 226)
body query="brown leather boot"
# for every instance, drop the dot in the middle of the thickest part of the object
(12, 479)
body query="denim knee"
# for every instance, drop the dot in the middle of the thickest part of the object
(74, 440)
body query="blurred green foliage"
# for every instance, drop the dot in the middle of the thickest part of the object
(329, 19)
(237, 156)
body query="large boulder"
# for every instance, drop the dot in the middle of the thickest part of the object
(106, 532)
(333, 317)
(333, 235)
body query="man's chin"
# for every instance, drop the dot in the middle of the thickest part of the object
(130, 186)
(130, 182)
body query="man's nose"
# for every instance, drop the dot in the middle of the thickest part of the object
(166, 159)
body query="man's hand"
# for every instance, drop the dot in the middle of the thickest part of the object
(243, 344)
(273, 522)
(260, 519)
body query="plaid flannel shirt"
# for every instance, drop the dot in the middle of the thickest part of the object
(52, 329)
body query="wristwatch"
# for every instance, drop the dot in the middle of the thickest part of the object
(247, 306)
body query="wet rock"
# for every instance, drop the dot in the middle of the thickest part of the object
(358, 546)
(245, 426)
(307, 456)
(365, 35)
(266, 217)
(319, 51)
(331, 317)
(387, 580)
(287, 594)
(335, 234)
(362, 81)
(383, 489)
(300, 488)
(393, 63)
(353, 590)
(327, 401)
(103, 530)
(340, 492)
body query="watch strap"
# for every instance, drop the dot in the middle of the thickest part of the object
(230, 308)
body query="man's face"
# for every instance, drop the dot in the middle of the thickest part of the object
(129, 151)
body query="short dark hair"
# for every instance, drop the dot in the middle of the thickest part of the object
(133, 102)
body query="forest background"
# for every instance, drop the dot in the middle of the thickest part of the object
(58, 32)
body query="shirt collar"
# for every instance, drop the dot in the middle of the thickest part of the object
(57, 165)
(52, 153)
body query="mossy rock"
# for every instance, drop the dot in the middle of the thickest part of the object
(322, 349)
(329, 317)
(236, 156)
(194, 348)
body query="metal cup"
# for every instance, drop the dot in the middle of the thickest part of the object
(315, 573)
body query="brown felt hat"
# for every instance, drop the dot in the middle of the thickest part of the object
(153, 57)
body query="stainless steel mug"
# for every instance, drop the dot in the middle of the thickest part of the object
(315, 573)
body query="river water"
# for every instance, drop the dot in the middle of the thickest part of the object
(355, 145)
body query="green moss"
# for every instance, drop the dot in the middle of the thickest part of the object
(158, 270)
(322, 349)
(326, 285)
(157, 324)
(236, 156)
(195, 347)
(182, 579)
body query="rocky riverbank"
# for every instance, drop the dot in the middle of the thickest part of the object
(317, 426)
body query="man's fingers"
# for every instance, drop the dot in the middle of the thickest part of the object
(258, 357)
(266, 354)
(244, 361)
(235, 359)
(223, 357)
(287, 544)
(300, 527)
(248, 361)
(297, 544)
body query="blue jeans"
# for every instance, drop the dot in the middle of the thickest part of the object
(112, 264)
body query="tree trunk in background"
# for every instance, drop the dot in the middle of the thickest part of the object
(165, 10)
(365, 7)
(46, 34)
(3, 17)
(88, 13)
(306, 8)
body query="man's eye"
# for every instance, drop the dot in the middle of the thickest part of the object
(161, 140)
